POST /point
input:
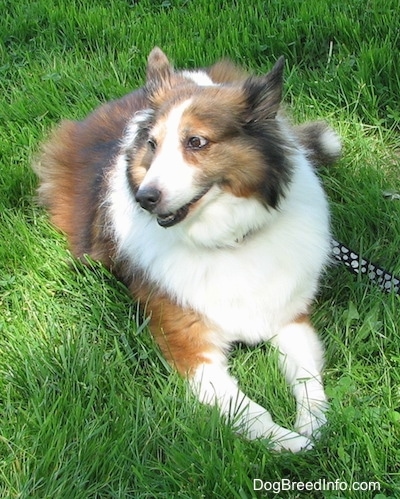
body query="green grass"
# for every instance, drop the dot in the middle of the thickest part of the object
(88, 408)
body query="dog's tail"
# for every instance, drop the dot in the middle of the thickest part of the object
(321, 143)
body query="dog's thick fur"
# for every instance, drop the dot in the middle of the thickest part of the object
(203, 199)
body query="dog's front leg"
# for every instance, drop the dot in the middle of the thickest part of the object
(195, 350)
(302, 361)
(214, 385)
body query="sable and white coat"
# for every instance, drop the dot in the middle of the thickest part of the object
(202, 198)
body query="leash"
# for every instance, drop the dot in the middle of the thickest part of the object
(354, 263)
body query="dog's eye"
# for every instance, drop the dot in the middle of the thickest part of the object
(152, 144)
(196, 142)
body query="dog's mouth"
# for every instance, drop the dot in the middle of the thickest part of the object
(170, 219)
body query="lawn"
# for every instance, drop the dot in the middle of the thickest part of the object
(88, 408)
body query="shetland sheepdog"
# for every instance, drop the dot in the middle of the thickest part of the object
(198, 193)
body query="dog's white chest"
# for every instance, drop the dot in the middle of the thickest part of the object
(247, 291)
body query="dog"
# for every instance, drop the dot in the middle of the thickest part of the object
(198, 193)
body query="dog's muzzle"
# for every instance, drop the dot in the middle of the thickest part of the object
(149, 199)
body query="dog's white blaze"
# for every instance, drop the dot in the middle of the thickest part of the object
(169, 171)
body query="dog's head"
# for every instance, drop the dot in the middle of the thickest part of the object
(203, 145)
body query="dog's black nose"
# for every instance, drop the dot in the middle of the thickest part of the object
(148, 197)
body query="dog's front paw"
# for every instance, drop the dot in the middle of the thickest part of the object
(277, 437)
(311, 419)
(290, 441)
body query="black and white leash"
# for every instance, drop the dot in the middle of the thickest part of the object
(356, 264)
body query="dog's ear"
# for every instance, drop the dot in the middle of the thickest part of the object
(264, 94)
(159, 69)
